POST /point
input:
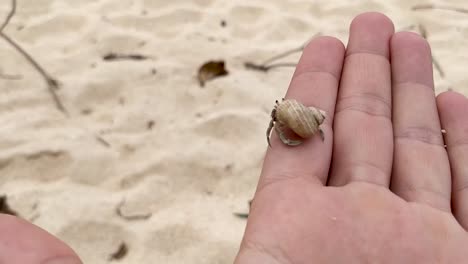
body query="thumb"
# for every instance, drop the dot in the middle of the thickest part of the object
(23, 242)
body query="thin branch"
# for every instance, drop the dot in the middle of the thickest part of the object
(407, 28)
(267, 64)
(438, 67)
(102, 141)
(241, 215)
(265, 68)
(284, 54)
(51, 82)
(10, 15)
(116, 56)
(244, 215)
(423, 31)
(433, 7)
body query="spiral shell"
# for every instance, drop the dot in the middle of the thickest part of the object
(304, 121)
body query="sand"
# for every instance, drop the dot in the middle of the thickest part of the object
(142, 135)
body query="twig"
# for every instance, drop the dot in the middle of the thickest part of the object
(116, 56)
(284, 54)
(423, 31)
(51, 82)
(438, 67)
(9, 16)
(407, 28)
(103, 142)
(267, 64)
(265, 68)
(446, 8)
(244, 215)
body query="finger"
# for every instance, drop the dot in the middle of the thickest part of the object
(314, 83)
(453, 108)
(22, 242)
(363, 129)
(421, 171)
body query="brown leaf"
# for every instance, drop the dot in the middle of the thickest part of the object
(211, 70)
(5, 208)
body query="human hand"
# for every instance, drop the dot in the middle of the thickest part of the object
(24, 243)
(381, 188)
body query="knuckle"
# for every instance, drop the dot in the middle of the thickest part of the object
(368, 103)
(460, 141)
(364, 172)
(423, 134)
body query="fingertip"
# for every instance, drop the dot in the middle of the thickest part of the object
(323, 53)
(451, 106)
(326, 41)
(372, 17)
(409, 40)
(450, 97)
(411, 59)
(370, 32)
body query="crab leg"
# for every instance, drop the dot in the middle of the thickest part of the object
(268, 133)
(322, 135)
(284, 139)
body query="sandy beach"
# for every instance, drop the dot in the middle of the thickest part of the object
(144, 156)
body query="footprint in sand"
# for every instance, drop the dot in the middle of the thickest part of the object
(173, 238)
(247, 15)
(65, 25)
(180, 173)
(244, 19)
(290, 28)
(162, 5)
(33, 7)
(47, 166)
(228, 127)
(158, 24)
(85, 237)
(96, 92)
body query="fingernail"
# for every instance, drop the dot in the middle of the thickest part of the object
(63, 260)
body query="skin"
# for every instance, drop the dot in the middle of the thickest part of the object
(391, 193)
(381, 188)
(23, 242)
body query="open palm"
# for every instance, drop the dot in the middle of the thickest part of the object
(381, 188)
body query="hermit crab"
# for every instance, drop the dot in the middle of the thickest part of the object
(302, 120)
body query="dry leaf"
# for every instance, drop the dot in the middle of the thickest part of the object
(211, 70)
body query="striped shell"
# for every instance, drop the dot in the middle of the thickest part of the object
(303, 120)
